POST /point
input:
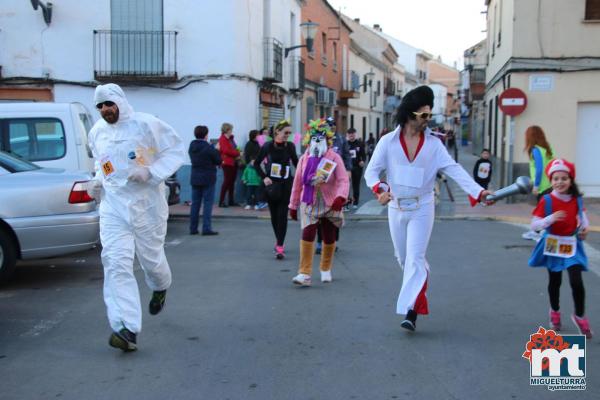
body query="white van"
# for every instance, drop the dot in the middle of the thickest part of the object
(52, 135)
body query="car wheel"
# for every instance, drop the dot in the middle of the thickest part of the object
(8, 256)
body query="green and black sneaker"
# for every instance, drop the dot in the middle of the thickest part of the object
(124, 340)
(157, 302)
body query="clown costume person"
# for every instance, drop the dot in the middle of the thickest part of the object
(411, 157)
(318, 195)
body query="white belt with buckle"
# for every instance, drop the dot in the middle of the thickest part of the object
(408, 203)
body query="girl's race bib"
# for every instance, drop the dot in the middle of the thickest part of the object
(560, 246)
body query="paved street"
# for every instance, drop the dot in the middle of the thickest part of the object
(236, 328)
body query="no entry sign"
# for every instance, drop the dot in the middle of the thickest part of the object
(512, 101)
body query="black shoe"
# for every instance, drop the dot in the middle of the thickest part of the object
(124, 340)
(194, 233)
(410, 321)
(157, 302)
(210, 233)
(223, 205)
(408, 324)
(234, 204)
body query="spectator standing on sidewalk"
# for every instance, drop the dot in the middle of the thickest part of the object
(278, 177)
(250, 177)
(540, 153)
(230, 156)
(205, 159)
(358, 156)
(482, 171)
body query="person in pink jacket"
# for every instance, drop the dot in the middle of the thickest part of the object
(318, 194)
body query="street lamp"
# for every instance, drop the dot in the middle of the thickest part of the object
(308, 31)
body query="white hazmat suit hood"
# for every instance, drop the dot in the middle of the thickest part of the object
(133, 213)
(114, 93)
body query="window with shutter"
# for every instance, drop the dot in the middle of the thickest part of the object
(137, 39)
(592, 10)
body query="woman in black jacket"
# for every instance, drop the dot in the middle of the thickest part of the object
(205, 159)
(278, 177)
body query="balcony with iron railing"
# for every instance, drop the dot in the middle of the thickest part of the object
(273, 60)
(297, 78)
(149, 56)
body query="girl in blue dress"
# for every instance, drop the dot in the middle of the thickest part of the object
(561, 214)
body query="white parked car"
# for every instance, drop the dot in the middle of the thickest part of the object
(44, 212)
(52, 135)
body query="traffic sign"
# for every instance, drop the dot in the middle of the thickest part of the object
(512, 101)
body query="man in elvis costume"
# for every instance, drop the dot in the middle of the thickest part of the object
(411, 157)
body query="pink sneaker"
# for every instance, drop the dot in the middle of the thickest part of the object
(583, 325)
(279, 252)
(555, 320)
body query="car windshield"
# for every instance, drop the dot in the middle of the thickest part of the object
(15, 164)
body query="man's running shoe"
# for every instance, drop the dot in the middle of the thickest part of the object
(583, 325)
(157, 302)
(410, 321)
(555, 320)
(124, 340)
(408, 324)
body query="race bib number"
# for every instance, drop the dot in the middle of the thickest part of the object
(107, 166)
(275, 170)
(560, 246)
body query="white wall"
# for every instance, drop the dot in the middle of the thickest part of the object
(361, 107)
(439, 103)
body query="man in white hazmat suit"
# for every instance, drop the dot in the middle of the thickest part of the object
(134, 153)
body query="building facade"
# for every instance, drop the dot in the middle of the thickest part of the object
(547, 50)
(327, 66)
(169, 65)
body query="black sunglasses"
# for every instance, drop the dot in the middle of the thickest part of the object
(104, 103)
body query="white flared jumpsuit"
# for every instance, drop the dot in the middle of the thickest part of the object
(412, 209)
(133, 216)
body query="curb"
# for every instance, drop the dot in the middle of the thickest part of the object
(354, 217)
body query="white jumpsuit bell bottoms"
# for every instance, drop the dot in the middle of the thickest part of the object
(412, 210)
(133, 216)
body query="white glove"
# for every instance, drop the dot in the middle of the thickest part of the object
(94, 189)
(139, 174)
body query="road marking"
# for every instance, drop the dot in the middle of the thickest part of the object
(173, 243)
(592, 253)
(44, 325)
(371, 207)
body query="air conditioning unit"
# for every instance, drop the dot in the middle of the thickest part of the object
(332, 98)
(322, 95)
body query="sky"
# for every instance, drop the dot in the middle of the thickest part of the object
(440, 27)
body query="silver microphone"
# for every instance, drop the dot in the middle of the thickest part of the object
(521, 186)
